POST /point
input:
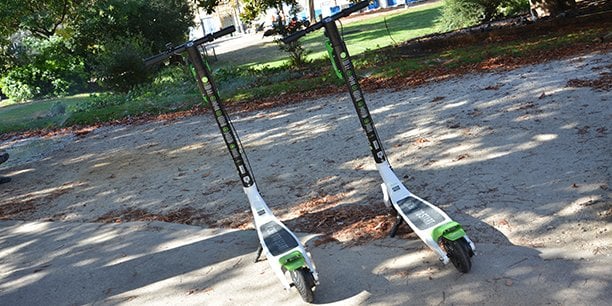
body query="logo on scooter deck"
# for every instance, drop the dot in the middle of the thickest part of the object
(419, 213)
(276, 238)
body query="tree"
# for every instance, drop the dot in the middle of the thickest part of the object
(114, 35)
(157, 22)
(311, 11)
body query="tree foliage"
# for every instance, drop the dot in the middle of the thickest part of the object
(45, 68)
(155, 21)
(40, 17)
(255, 8)
(103, 36)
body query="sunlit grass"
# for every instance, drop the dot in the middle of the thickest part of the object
(360, 35)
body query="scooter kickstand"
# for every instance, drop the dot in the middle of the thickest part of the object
(398, 222)
(259, 250)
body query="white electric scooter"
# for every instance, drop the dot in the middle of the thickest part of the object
(284, 251)
(443, 235)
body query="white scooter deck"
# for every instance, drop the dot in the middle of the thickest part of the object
(422, 216)
(275, 238)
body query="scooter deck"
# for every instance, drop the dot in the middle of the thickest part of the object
(419, 213)
(276, 238)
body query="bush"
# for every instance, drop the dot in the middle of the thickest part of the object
(169, 81)
(119, 66)
(47, 69)
(464, 13)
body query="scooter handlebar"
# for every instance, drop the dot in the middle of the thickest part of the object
(225, 31)
(343, 13)
(295, 36)
(207, 38)
(351, 9)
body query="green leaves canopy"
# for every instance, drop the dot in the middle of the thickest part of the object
(254, 8)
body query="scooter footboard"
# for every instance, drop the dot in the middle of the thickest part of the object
(420, 214)
(423, 218)
(278, 239)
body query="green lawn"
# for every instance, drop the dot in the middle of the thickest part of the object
(37, 114)
(364, 34)
(370, 34)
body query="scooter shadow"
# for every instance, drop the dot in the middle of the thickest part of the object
(397, 270)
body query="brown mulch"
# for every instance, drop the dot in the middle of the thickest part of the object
(603, 83)
(20, 207)
(347, 223)
(14, 211)
(186, 215)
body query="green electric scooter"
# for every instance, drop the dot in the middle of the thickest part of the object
(284, 251)
(443, 235)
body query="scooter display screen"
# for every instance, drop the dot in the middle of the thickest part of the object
(419, 213)
(277, 239)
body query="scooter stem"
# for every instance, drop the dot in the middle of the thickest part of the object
(350, 78)
(211, 95)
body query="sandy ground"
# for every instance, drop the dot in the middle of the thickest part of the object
(520, 158)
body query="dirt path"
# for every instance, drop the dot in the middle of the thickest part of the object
(520, 156)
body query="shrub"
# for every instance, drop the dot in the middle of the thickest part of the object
(464, 13)
(119, 65)
(169, 81)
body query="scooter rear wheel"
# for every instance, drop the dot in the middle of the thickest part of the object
(459, 253)
(303, 282)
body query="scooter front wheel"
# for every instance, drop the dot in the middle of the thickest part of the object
(303, 282)
(459, 253)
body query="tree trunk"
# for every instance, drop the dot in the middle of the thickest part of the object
(311, 11)
(544, 8)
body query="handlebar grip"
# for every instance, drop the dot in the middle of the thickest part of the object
(224, 31)
(210, 37)
(213, 36)
(349, 10)
(293, 37)
(155, 59)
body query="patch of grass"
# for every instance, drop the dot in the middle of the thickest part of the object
(275, 89)
(172, 90)
(153, 106)
(360, 34)
(15, 117)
